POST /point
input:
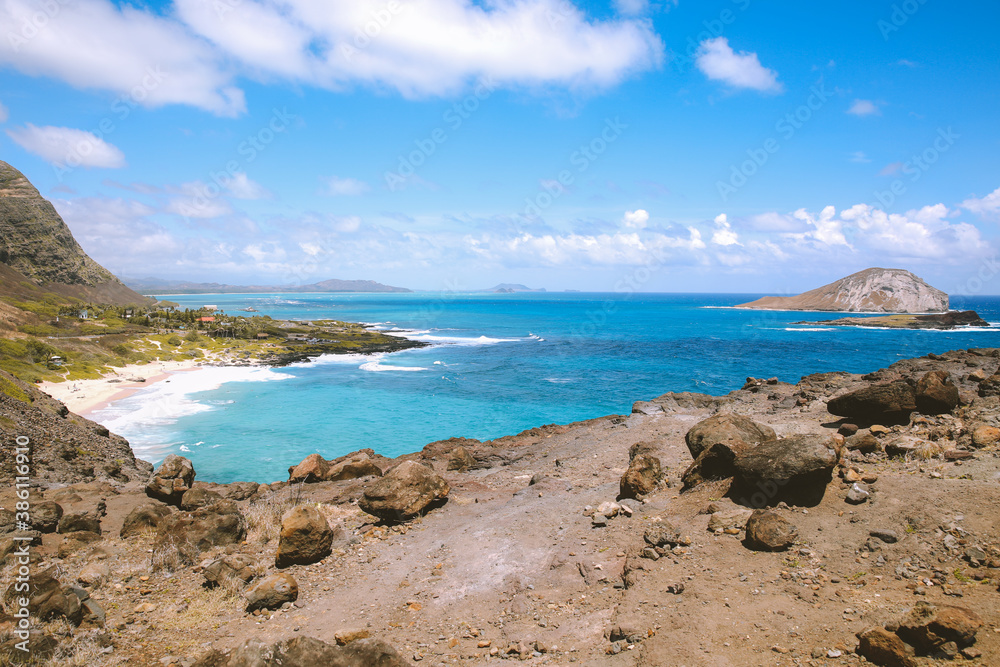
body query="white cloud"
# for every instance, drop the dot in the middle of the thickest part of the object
(864, 108)
(241, 187)
(67, 147)
(635, 219)
(143, 56)
(193, 54)
(860, 157)
(337, 186)
(198, 199)
(724, 234)
(4, 114)
(987, 206)
(717, 60)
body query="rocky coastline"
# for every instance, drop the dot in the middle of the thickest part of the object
(950, 320)
(838, 520)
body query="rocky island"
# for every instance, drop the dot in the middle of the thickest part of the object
(870, 291)
(950, 320)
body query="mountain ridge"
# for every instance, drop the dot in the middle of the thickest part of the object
(162, 286)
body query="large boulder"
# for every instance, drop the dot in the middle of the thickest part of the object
(891, 402)
(192, 533)
(716, 461)
(306, 537)
(407, 491)
(768, 531)
(272, 591)
(928, 626)
(313, 468)
(171, 480)
(354, 467)
(796, 469)
(143, 518)
(936, 394)
(460, 459)
(71, 523)
(726, 428)
(642, 477)
(198, 497)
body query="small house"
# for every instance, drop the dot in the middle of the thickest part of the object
(261, 336)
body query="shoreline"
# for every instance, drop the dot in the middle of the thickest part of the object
(85, 397)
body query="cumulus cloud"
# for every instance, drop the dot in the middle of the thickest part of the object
(241, 187)
(67, 147)
(717, 60)
(864, 108)
(337, 186)
(635, 219)
(986, 206)
(724, 234)
(193, 54)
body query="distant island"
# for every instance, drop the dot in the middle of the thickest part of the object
(512, 288)
(949, 320)
(873, 290)
(157, 286)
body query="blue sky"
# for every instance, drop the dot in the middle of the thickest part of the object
(733, 145)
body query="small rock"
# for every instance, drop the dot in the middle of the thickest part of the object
(272, 592)
(769, 531)
(886, 535)
(599, 520)
(858, 494)
(345, 637)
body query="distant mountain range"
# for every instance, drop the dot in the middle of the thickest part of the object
(38, 253)
(156, 286)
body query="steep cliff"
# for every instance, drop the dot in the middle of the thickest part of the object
(36, 243)
(869, 291)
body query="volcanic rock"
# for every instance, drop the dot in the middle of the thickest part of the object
(889, 402)
(144, 517)
(936, 394)
(768, 531)
(171, 480)
(796, 469)
(406, 491)
(272, 591)
(305, 537)
(928, 626)
(641, 478)
(726, 428)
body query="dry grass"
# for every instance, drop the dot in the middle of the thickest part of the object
(926, 450)
(263, 517)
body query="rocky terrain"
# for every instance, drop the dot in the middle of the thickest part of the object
(37, 246)
(869, 291)
(840, 520)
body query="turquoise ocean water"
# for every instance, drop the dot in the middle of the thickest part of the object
(497, 364)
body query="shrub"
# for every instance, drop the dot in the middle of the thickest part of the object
(175, 340)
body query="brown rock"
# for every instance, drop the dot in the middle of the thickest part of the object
(990, 386)
(768, 531)
(198, 497)
(717, 461)
(191, 533)
(865, 443)
(984, 436)
(272, 591)
(171, 480)
(406, 491)
(48, 599)
(889, 402)
(305, 537)
(345, 637)
(230, 569)
(313, 468)
(71, 523)
(796, 469)
(460, 459)
(641, 478)
(73, 542)
(145, 517)
(885, 649)
(928, 626)
(726, 428)
(936, 394)
(354, 468)
(45, 516)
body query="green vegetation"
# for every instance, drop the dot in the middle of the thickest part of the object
(10, 389)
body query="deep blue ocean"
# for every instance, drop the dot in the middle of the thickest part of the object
(497, 364)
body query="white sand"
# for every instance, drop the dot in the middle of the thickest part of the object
(83, 396)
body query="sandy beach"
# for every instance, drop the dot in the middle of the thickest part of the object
(86, 396)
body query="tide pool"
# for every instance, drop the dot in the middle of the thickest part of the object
(497, 364)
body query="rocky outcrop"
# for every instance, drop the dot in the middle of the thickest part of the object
(936, 394)
(144, 518)
(189, 534)
(869, 291)
(642, 477)
(405, 492)
(171, 480)
(306, 537)
(314, 468)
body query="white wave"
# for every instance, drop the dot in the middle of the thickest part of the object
(811, 328)
(184, 448)
(377, 366)
(559, 380)
(440, 363)
(459, 340)
(163, 403)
